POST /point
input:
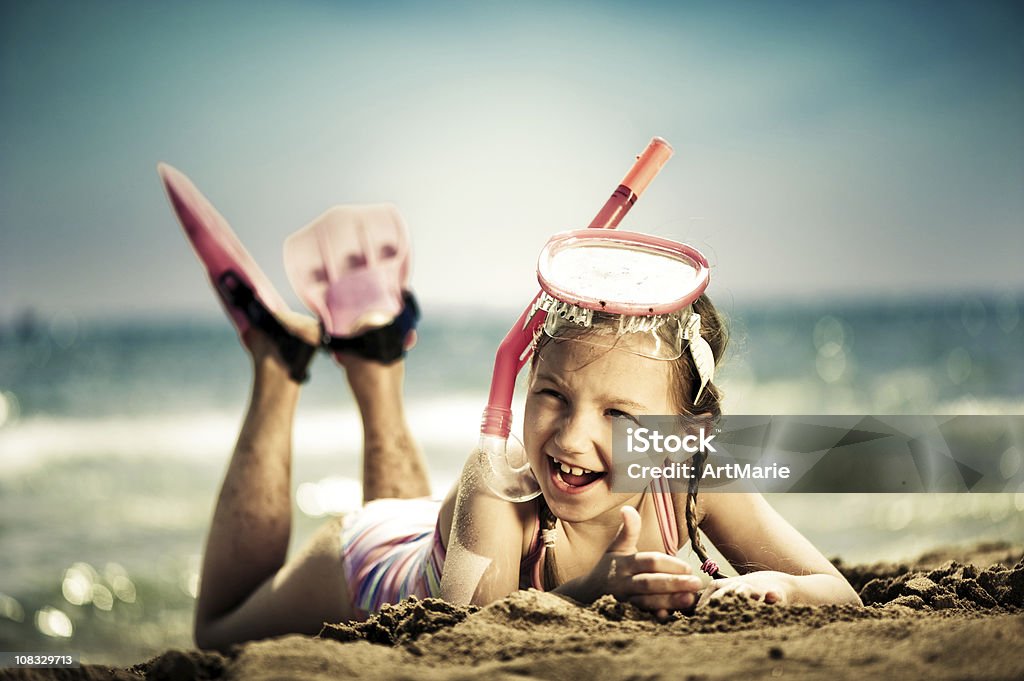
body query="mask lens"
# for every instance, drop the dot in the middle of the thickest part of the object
(622, 272)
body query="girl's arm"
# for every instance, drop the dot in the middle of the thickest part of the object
(778, 563)
(485, 542)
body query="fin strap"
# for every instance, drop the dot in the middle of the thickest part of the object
(385, 344)
(295, 352)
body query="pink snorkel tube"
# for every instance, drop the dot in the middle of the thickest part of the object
(511, 477)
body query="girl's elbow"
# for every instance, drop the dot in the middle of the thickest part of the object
(212, 634)
(205, 637)
(846, 593)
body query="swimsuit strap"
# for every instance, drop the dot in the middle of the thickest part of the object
(535, 558)
(664, 509)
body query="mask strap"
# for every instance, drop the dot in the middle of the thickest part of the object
(700, 350)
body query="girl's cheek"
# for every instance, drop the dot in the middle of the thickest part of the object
(530, 425)
(538, 425)
(531, 407)
(536, 412)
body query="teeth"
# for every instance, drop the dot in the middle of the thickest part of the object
(574, 470)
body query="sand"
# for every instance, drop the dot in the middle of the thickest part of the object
(938, 618)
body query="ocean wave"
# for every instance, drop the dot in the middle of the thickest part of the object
(449, 423)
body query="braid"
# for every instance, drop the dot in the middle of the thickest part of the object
(708, 409)
(691, 519)
(547, 524)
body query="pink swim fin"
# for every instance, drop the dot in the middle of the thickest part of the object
(245, 292)
(350, 266)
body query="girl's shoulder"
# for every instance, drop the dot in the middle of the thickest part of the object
(489, 514)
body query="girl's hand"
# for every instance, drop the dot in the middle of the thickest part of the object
(651, 580)
(768, 587)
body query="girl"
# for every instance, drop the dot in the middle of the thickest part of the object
(578, 538)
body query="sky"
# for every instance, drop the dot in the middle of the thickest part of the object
(823, 151)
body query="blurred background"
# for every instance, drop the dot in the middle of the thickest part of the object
(854, 172)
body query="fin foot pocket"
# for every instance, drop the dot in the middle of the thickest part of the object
(385, 344)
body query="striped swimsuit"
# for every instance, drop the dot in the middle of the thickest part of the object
(392, 549)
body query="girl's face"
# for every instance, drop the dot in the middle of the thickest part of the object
(576, 393)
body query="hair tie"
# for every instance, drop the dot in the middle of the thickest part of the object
(548, 537)
(710, 567)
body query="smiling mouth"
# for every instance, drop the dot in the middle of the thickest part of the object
(572, 479)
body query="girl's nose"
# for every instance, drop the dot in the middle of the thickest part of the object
(575, 434)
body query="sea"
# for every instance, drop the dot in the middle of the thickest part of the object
(115, 435)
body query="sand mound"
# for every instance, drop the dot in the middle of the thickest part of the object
(931, 619)
(953, 585)
(401, 623)
(938, 581)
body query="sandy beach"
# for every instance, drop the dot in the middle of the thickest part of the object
(951, 614)
(851, 175)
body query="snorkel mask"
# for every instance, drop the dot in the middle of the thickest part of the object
(648, 283)
(598, 288)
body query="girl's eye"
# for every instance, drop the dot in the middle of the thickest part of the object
(551, 393)
(616, 414)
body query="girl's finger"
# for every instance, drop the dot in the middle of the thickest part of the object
(655, 602)
(741, 588)
(659, 582)
(652, 561)
(709, 590)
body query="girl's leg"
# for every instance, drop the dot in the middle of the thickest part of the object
(248, 540)
(247, 589)
(393, 465)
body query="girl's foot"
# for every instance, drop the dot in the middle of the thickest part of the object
(263, 348)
